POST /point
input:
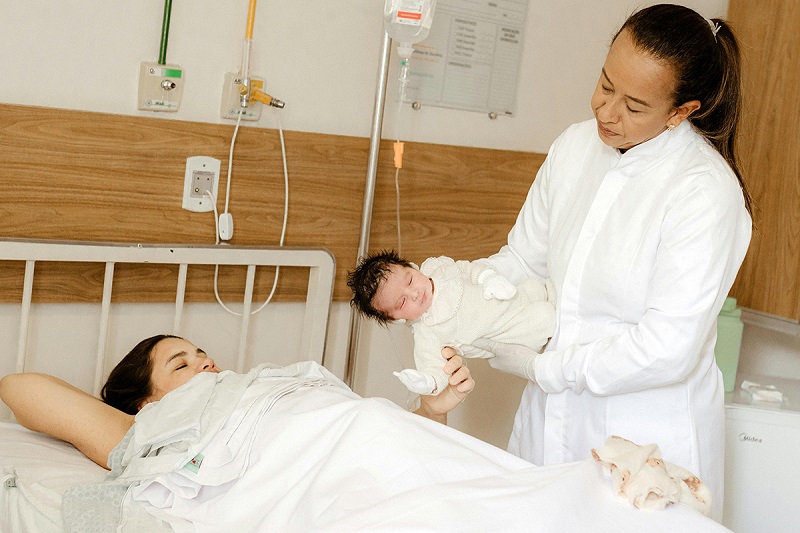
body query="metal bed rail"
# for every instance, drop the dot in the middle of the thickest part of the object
(319, 295)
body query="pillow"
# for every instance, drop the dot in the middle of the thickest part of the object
(42, 467)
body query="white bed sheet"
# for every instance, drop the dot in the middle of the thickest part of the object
(440, 480)
(42, 468)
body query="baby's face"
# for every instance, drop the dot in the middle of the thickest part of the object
(405, 293)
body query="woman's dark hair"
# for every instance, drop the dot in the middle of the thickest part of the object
(129, 385)
(366, 279)
(707, 68)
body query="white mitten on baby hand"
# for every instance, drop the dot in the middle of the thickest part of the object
(496, 286)
(416, 381)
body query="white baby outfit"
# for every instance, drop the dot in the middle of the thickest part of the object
(459, 314)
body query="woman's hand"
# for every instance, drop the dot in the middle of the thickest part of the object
(459, 385)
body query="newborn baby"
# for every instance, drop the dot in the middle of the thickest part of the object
(450, 303)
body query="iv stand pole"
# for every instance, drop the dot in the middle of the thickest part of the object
(369, 194)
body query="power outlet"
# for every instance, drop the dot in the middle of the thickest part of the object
(231, 100)
(160, 87)
(202, 183)
(202, 175)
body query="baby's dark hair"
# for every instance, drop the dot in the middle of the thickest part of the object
(366, 279)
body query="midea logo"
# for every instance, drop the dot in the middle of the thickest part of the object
(744, 437)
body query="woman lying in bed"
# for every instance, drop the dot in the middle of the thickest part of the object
(153, 368)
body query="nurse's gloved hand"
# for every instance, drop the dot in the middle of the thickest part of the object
(496, 286)
(510, 358)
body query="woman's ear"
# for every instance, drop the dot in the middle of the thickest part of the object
(144, 402)
(683, 111)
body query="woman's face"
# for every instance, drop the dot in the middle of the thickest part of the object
(176, 361)
(405, 294)
(633, 98)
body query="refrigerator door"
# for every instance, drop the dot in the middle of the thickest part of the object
(762, 469)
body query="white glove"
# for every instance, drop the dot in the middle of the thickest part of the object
(511, 358)
(496, 286)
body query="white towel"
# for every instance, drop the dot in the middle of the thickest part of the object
(762, 393)
(639, 474)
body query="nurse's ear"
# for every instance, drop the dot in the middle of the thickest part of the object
(682, 112)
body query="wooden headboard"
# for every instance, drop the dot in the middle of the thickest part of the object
(102, 177)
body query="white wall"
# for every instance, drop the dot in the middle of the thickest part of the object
(321, 58)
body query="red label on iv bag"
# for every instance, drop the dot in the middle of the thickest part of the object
(409, 15)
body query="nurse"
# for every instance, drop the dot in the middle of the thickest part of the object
(641, 219)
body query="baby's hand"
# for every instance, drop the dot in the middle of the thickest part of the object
(496, 286)
(416, 381)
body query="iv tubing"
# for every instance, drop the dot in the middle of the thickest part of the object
(162, 53)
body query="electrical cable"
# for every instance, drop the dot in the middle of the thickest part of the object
(216, 215)
(285, 217)
(230, 160)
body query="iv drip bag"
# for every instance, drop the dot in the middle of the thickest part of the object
(408, 22)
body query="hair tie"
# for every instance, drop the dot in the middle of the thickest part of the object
(714, 28)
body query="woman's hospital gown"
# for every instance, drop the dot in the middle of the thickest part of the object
(642, 249)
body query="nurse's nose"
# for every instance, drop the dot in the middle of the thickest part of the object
(608, 112)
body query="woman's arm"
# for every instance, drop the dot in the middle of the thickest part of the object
(49, 405)
(459, 385)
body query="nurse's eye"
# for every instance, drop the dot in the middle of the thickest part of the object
(605, 89)
(633, 110)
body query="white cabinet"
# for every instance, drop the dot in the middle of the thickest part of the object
(762, 461)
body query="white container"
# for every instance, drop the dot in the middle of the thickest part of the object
(762, 467)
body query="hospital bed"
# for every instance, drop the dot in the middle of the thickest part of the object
(329, 461)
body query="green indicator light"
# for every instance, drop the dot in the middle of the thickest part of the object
(171, 73)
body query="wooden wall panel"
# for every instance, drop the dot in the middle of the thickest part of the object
(454, 201)
(100, 177)
(770, 136)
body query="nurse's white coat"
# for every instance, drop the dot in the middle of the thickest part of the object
(642, 249)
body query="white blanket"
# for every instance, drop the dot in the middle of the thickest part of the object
(322, 459)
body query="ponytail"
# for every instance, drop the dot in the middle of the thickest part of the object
(704, 55)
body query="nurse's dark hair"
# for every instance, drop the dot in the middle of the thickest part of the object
(366, 279)
(707, 68)
(129, 385)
